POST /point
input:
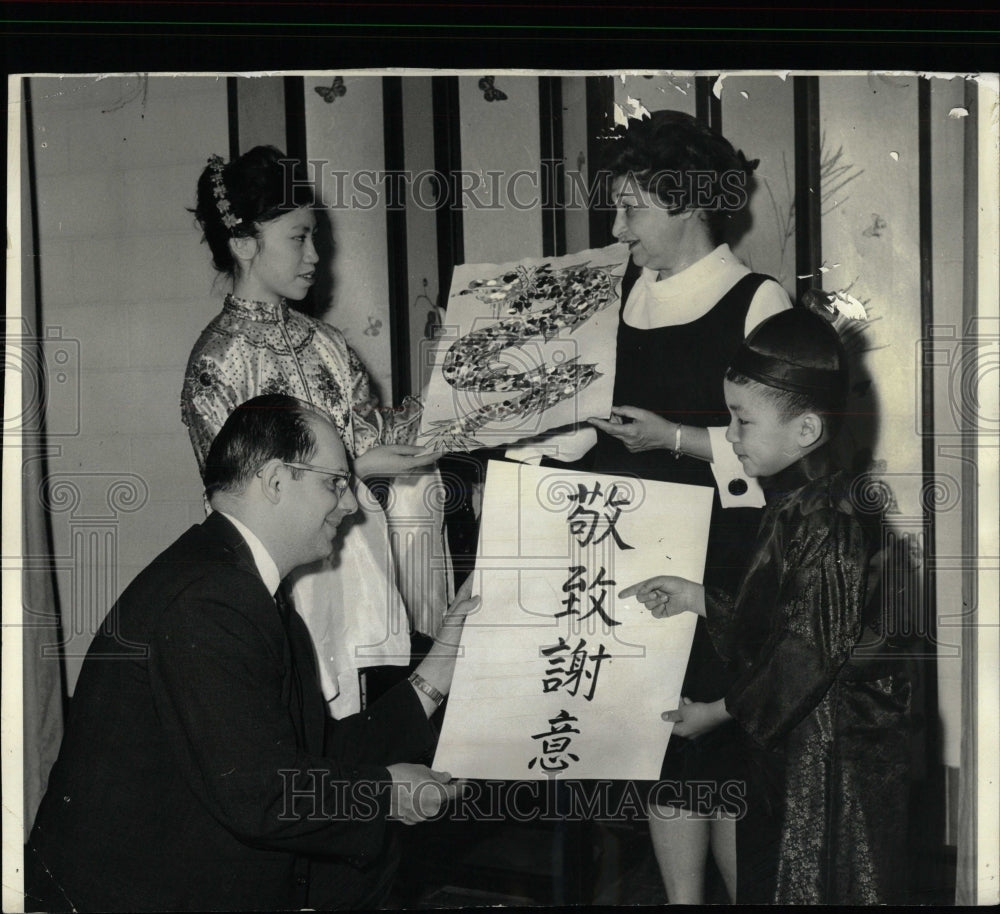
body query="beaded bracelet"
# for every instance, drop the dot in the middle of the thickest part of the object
(677, 441)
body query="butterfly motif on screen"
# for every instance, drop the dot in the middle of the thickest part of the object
(334, 91)
(374, 326)
(876, 228)
(490, 92)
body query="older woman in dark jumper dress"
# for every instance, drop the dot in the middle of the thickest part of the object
(676, 185)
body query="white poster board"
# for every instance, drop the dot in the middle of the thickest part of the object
(526, 347)
(556, 676)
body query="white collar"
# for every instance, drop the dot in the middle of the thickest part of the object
(262, 558)
(685, 296)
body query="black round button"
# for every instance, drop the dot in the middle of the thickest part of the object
(738, 487)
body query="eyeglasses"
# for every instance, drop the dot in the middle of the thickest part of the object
(338, 482)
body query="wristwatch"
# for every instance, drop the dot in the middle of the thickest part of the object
(424, 686)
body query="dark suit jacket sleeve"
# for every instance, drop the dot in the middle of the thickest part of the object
(219, 675)
(394, 729)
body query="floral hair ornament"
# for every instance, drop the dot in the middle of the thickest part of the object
(830, 305)
(229, 219)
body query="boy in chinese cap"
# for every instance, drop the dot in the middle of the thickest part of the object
(822, 703)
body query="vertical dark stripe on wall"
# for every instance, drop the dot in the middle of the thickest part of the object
(933, 814)
(714, 112)
(28, 139)
(808, 215)
(553, 194)
(702, 93)
(925, 172)
(295, 117)
(600, 124)
(707, 107)
(447, 160)
(233, 113)
(395, 223)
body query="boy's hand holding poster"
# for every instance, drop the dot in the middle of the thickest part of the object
(526, 347)
(556, 676)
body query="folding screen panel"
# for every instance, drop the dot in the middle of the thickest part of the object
(125, 288)
(757, 116)
(501, 159)
(345, 145)
(421, 221)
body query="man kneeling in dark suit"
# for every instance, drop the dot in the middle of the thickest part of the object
(199, 769)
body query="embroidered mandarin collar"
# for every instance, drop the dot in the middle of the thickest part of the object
(270, 312)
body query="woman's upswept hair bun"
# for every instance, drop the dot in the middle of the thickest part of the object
(261, 185)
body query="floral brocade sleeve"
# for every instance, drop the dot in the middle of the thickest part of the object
(251, 349)
(375, 425)
(206, 402)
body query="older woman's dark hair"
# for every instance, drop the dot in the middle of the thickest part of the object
(274, 426)
(260, 185)
(684, 164)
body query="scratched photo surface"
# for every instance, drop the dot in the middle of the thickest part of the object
(876, 192)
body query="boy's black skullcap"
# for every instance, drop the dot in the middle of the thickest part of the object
(779, 350)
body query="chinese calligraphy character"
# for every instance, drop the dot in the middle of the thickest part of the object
(555, 744)
(571, 678)
(576, 582)
(583, 521)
